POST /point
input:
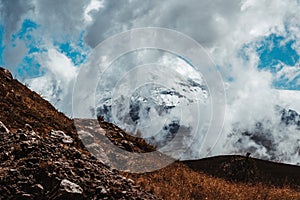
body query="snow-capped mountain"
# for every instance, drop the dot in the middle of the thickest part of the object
(155, 113)
(158, 113)
(271, 140)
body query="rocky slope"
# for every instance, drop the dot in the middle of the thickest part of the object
(41, 156)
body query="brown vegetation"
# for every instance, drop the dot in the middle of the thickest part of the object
(19, 106)
(178, 181)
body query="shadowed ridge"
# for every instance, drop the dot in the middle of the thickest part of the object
(222, 177)
(246, 169)
(124, 140)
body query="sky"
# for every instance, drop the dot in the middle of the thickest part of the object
(254, 43)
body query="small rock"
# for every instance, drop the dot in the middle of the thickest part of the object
(102, 190)
(68, 190)
(120, 134)
(28, 127)
(67, 140)
(70, 187)
(130, 180)
(61, 135)
(24, 145)
(3, 128)
(26, 196)
(37, 189)
(20, 131)
(57, 134)
(23, 136)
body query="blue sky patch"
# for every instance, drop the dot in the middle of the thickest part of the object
(27, 27)
(274, 50)
(72, 51)
(1, 44)
(75, 50)
(26, 34)
(275, 53)
(284, 83)
(30, 68)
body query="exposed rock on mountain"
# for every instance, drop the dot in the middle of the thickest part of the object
(41, 156)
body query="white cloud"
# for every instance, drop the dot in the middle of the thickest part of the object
(57, 83)
(288, 73)
(94, 5)
(223, 27)
(58, 64)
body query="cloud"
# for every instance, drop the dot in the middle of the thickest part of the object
(61, 18)
(231, 31)
(57, 83)
(225, 28)
(197, 19)
(12, 13)
(14, 55)
(93, 6)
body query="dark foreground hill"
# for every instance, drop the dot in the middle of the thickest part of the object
(247, 169)
(42, 157)
(179, 181)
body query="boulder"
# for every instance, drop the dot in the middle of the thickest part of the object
(68, 190)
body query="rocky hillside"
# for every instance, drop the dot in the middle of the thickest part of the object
(41, 156)
(20, 106)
